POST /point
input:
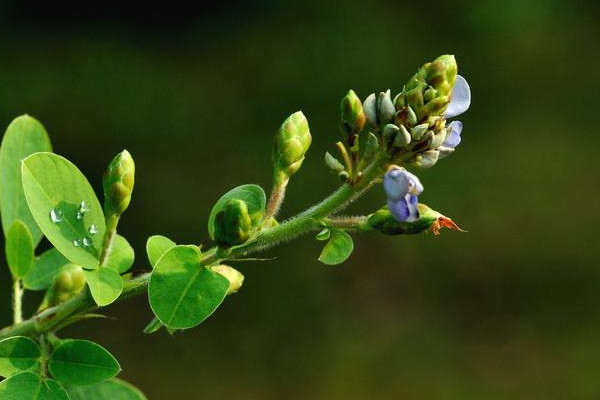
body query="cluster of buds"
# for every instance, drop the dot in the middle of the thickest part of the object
(413, 124)
(67, 284)
(233, 224)
(289, 147)
(118, 184)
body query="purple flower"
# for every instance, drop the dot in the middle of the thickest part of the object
(402, 189)
(460, 101)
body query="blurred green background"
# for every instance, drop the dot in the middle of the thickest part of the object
(510, 310)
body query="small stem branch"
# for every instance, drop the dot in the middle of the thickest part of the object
(348, 223)
(111, 229)
(346, 157)
(17, 301)
(276, 199)
(309, 220)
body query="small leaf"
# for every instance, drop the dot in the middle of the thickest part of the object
(120, 256)
(56, 191)
(30, 386)
(19, 249)
(156, 246)
(24, 136)
(338, 248)
(253, 195)
(81, 362)
(18, 353)
(105, 284)
(113, 389)
(324, 234)
(45, 268)
(182, 292)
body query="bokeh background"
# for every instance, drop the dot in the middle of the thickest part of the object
(510, 310)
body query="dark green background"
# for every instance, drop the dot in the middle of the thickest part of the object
(510, 310)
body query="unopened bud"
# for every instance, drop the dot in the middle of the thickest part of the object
(333, 164)
(352, 116)
(233, 224)
(290, 145)
(235, 277)
(402, 138)
(118, 183)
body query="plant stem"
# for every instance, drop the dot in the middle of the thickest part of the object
(17, 301)
(276, 199)
(348, 223)
(304, 222)
(111, 229)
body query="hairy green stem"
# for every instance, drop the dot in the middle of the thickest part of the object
(309, 220)
(275, 200)
(111, 229)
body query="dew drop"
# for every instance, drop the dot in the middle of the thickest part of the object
(79, 215)
(93, 229)
(56, 215)
(84, 207)
(77, 242)
(86, 241)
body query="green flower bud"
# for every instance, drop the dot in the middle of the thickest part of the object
(235, 277)
(428, 91)
(371, 147)
(370, 110)
(389, 132)
(402, 138)
(118, 183)
(333, 164)
(290, 145)
(385, 107)
(426, 159)
(233, 224)
(418, 131)
(69, 282)
(429, 221)
(353, 117)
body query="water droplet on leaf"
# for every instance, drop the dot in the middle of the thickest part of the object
(87, 242)
(77, 242)
(84, 206)
(56, 215)
(93, 229)
(79, 215)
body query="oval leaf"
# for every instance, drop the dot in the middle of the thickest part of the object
(24, 136)
(55, 189)
(81, 362)
(182, 292)
(18, 353)
(338, 248)
(30, 386)
(19, 249)
(45, 268)
(113, 389)
(105, 284)
(120, 256)
(253, 195)
(156, 246)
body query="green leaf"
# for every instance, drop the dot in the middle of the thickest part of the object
(19, 249)
(182, 292)
(30, 386)
(120, 256)
(18, 353)
(156, 246)
(53, 184)
(81, 362)
(105, 284)
(253, 195)
(338, 248)
(45, 268)
(24, 136)
(113, 389)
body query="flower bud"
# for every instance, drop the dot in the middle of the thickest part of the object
(371, 147)
(333, 164)
(429, 221)
(353, 117)
(385, 107)
(69, 282)
(235, 277)
(290, 145)
(118, 183)
(402, 138)
(233, 224)
(428, 91)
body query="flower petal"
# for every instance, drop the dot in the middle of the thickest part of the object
(453, 136)
(460, 99)
(405, 209)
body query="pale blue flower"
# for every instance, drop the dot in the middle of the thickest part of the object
(402, 189)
